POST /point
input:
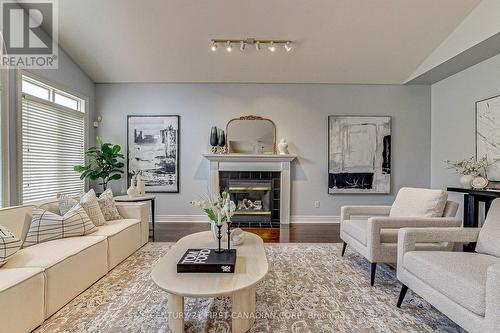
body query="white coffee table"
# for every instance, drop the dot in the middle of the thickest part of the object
(251, 267)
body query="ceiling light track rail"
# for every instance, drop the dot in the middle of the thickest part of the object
(271, 44)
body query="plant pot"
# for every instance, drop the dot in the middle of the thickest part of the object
(466, 180)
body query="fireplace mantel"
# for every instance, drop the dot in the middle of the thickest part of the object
(246, 162)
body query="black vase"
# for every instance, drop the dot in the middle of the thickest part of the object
(213, 136)
(222, 138)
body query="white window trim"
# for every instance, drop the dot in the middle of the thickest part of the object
(19, 93)
(4, 91)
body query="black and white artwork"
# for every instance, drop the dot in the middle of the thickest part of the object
(488, 134)
(359, 149)
(153, 148)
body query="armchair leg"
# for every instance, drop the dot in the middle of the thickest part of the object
(373, 271)
(402, 295)
(343, 248)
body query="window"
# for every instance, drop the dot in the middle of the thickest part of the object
(53, 141)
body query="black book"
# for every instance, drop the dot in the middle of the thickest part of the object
(207, 261)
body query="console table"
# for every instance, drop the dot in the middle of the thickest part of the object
(472, 198)
(148, 197)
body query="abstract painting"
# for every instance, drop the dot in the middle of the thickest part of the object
(488, 134)
(359, 154)
(153, 148)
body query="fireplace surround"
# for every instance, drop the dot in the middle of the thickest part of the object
(253, 168)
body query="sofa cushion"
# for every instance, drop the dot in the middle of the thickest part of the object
(419, 202)
(107, 205)
(21, 299)
(17, 219)
(45, 255)
(461, 276)
(91, 205)
(358, 230)
(113, 227)
(47, 226)
(9, 245)
(65, 203)
(489, 236)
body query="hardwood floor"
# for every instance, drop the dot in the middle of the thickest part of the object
(296, 233)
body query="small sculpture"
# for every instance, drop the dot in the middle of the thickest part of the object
(141, 187)
(132, 190)
(283, 147)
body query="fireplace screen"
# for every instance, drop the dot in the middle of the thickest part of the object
(252, 200)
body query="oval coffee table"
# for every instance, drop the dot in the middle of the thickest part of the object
(251, 267)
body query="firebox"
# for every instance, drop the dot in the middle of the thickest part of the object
(256, 196)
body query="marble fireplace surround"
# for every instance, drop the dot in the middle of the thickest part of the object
(245, 162)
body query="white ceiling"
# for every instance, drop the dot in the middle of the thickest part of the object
(336, 41)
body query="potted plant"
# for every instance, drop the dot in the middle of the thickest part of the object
(469, 169)
(105, 163)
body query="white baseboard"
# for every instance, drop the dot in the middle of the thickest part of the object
(296, 219)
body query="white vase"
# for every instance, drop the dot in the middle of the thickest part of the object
(132, 190)
(141, 188)
(283, 147)
(223, 231)
(466, 180)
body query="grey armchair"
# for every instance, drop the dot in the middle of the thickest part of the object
(376, 238)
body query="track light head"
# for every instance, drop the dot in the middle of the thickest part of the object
(242, 45)
(257, 45)
(229, 47)
(288, 46)
(214, 46)
(271, 47)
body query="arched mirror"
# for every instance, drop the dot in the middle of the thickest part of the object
(251, 135)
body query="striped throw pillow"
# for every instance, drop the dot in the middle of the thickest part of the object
(9, 245)
(47, 226)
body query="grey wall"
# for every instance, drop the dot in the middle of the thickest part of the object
(453, 116)
(300, 112)
(68, 75)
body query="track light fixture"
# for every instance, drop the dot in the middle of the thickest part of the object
(271, 44)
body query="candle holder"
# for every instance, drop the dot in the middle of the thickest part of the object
(219, 237)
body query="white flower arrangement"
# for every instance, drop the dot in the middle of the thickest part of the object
(219, 209)
(470, 166)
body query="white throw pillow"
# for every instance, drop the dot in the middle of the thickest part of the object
(91, 205)
(488, 241)
(9, 245)
(65, 203)
(47, 226)
(108, 207)
(419, 202)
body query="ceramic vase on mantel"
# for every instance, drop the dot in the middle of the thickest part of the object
(214, 140)
(283, 147)
(466, 181)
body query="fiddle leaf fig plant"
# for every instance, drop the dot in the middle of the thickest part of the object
(105, 163)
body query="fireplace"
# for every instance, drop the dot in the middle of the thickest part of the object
(256, 195)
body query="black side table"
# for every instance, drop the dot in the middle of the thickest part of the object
(148, 197)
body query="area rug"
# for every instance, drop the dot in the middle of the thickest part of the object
(310, 288)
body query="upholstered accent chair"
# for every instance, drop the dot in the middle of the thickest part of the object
(376, 237)
(465, 286)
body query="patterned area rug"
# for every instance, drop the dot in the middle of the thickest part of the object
(309, 289)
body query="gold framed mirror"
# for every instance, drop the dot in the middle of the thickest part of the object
(251, 135)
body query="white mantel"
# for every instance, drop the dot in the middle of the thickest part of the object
(246, 162)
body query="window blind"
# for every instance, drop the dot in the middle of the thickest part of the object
(53, 141)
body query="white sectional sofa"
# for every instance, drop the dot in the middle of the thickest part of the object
(39, 280)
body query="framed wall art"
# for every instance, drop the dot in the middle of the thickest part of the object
(153, 149)
(359, 154)
(488, 134)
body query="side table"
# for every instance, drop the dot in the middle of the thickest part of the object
(148, 197)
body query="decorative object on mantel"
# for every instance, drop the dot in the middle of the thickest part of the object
(218, 141)
(219, 210)
(488, 134)
(283, 147)
(469, 169)
(153, 149)
(251, 135)
(359, 149)
(104, 163)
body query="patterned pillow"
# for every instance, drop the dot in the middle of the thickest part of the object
(9, 245)
(91, 205)
(65, 203)
(47, 226)
(107, 204)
